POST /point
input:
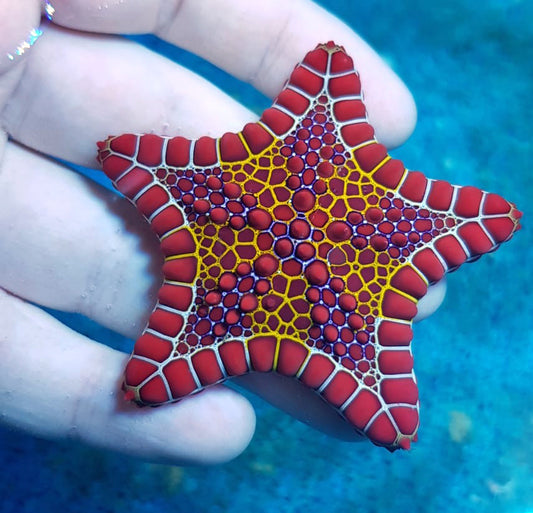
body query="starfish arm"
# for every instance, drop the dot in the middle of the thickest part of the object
(297, 246)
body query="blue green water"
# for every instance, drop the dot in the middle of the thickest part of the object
(470, 71)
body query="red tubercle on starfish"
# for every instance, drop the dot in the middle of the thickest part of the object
(297, 246)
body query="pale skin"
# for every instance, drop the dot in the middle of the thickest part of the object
(71, 245)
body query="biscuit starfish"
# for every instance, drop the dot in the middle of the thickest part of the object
(297, 246)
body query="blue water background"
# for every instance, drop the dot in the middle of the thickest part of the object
(469, 66)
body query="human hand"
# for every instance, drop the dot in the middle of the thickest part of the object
(69, 244)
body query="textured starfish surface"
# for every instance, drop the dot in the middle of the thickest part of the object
(297, 246)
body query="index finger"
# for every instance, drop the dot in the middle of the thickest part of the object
(257, 42)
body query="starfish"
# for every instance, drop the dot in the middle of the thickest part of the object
(297, 246)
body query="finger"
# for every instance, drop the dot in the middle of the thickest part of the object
(83, 88)
(58, 384)
(300, 402)
(429, 304)
(258, 42)
(72, 245)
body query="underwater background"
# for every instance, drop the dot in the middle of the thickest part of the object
(470, 68)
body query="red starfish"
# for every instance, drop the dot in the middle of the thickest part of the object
(297, 246)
